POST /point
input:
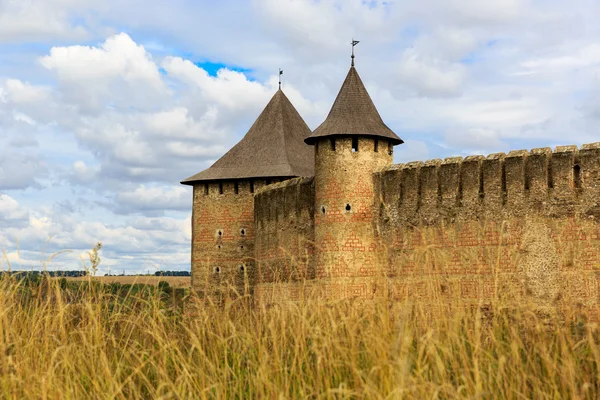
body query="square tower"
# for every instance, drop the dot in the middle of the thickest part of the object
(223, 259)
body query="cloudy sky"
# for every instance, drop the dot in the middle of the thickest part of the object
(105, 105)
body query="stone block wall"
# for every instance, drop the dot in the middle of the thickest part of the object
(516, 224)
(522, 223)
(284, 221)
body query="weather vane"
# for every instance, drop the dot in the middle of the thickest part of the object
(354, 43)
(280, 73)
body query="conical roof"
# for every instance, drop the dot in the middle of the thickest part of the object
(273, 147)
(353, 113)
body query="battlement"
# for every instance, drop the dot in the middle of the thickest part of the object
(555, 183)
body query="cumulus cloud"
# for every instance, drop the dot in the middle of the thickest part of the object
(153, 200)
(118, 73)
(11, 211)
(107, 123)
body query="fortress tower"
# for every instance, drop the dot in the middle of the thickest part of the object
(223, 207)
(351, 144)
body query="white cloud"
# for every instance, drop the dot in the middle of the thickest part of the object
(19, 171)
(118, 73)
(108, 134)
(38, 20)
(430, 76)
(152, 200)
(82, 173)
(229, 89)
(20, 92)
(11, 211)
(568, 60)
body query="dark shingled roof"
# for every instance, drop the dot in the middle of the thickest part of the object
(353, 113)
(273, 147)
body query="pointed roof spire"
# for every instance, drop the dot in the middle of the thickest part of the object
(353, 113)
(273, 147)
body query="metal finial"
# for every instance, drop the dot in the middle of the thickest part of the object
(354, 43)
(280, 73)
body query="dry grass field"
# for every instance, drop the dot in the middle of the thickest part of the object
(90, 339)
(80, 341)
(175, 281)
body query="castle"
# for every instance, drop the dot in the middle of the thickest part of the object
(289, 214)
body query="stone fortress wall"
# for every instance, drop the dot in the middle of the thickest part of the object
(284, 220)
(473, 229)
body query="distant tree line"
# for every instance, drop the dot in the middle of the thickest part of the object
(172, 273)
(23, 274)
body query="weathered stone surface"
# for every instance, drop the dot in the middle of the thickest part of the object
(522, 224)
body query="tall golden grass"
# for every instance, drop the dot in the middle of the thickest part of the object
(85, 343)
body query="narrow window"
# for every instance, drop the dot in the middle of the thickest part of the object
(348, 207)
(251, 186)
(390, 148)
(577, 176)
(354, 143)
(241, 267)
(323, 209)
(376, 146)
(332, 143)
(243, 232)
(220, 187)
(217, 270)
(236, 188)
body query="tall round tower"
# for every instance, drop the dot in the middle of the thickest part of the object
(223, 257)
(350, 145)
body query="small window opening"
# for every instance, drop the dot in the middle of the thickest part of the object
(219, 246)
(236, 188)
(376, 146)
(220, 187)
(243, 232)
(241, 267)
(323, 209)
(354, 144)
(348, 207)
(220, 232)
(332, 143)
(206, 189)
(242, 247)
(390, 148)
(251, 186)
(577, 176)
(217, 270)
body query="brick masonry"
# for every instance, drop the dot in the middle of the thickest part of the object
(522, 223)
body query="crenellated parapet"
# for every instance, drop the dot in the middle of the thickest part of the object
(556, 183)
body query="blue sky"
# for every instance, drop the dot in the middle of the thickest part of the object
(106, 105)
